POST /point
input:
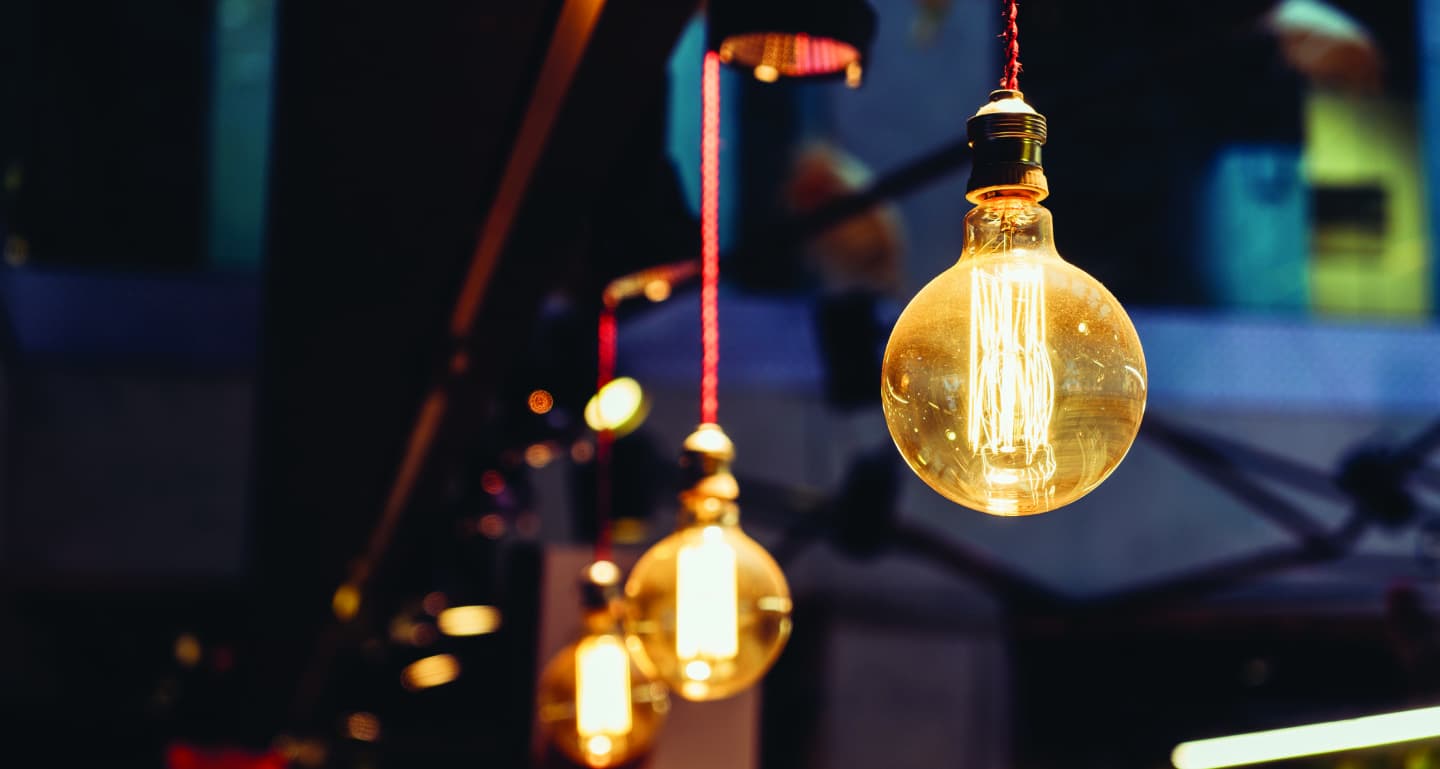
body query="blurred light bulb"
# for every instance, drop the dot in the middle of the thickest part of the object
(434, 670)
(620, 407)
(468, 620)
(709, 606)
(1014, 383)
(595, 704)
(346, 602)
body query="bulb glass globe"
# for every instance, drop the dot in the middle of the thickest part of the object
(709, 605)
(596, 705)
(1014, 383)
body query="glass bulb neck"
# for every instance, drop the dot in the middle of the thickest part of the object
(701, 509)
(603, 620)
(1009, 221)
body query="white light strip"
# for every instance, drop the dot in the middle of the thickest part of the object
(1297, 741)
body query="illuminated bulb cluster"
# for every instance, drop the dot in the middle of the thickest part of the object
(709, 606)
(1013, 383)
(706, 611)
(598, 707)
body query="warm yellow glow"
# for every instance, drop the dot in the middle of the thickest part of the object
(604, 573)
(1314, 739)
(363, 726)
(430, 671)
(468, 620)
(697, 670)
(657, 290)
(600, 746)
(602, 693)
(188, 650)
(595, 705)
(766, 73)
(705, 616)
(618, 407)
(346, 602)
(853, 74)
(1013, 383)
(710, 608)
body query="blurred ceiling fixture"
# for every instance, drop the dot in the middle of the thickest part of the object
(793, 39)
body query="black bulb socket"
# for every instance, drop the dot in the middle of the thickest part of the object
(1005, 144)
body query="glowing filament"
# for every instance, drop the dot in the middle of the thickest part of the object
(602, 695)
(1012, 384)
(706, 616)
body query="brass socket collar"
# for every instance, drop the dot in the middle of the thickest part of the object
(710, 487)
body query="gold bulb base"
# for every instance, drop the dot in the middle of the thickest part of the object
(599, 587)
(711, 488)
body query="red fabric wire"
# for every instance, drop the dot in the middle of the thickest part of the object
(710, 238)
(1011, 78)
(605, 371)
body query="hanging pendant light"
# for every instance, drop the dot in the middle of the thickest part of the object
(595, 705)
(1014, 383)
(776, 39)
(710, 607)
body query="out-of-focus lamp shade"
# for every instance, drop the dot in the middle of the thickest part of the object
(776, 39)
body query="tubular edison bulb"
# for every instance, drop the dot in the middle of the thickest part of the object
(1013, 383)
(597, 706)
(709, 605)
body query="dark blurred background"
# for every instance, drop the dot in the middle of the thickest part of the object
(251, 448)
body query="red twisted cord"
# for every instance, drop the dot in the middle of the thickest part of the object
(710, 238)
(1011, 78)
(605, 371)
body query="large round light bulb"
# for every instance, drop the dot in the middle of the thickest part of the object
(1014, 382)
(595, 704)
(709, 606)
